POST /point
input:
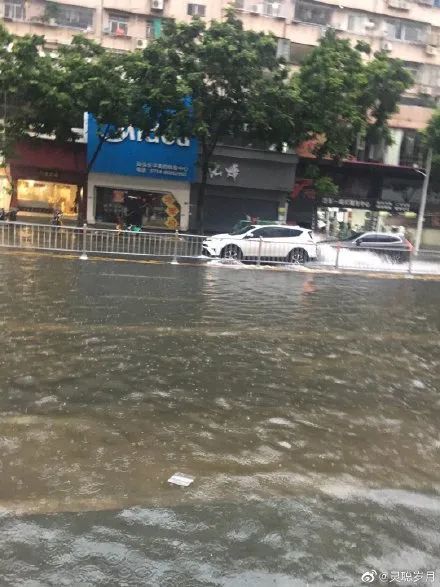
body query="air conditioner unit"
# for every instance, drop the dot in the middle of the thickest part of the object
(398, 4)
(387, 46)
(370, 24)
(430, 50)
(141, 43)
(157, 4)
(256, 9)
(106, 30)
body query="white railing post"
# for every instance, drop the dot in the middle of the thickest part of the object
(338, 252)
(84, 256)
(410, 261)
(176, 239)
(260, 245)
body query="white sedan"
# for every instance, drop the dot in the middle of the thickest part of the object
(291, 244)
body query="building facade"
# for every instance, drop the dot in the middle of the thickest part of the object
(407, 29)
(245, 183)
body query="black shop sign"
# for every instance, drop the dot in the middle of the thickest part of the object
(373, 205)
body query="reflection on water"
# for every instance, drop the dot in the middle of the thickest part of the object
(306, 407)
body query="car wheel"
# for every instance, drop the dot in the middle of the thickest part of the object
(232, 252)
(298, 256)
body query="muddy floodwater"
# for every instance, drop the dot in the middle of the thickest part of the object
(306, 407)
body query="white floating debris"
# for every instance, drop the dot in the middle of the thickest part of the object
(181, 479)
(285, 444)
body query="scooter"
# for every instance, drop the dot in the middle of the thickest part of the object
(56, 218)
(10, 216)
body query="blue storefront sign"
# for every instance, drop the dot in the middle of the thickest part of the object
(152, 157)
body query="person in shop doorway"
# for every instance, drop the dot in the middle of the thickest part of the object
(134, 211)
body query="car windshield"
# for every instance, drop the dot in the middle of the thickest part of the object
(242, 229)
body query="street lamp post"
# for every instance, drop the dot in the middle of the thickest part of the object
(423, 199)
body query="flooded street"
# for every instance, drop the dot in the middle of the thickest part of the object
(307, 408)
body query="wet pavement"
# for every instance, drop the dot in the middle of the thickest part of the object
(307, 408)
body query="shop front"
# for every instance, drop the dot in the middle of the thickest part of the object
(340, 217)
(245, 183)
(139, 181)
(371, 197)
(48, 176)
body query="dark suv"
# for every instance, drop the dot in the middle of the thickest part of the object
(392, 246)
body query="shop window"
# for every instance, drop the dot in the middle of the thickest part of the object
(77, 17)
(14, 10)
(402, 30)
(118, 25)
(139, 208)
(44, 197)
(313, 13)
(196, 10)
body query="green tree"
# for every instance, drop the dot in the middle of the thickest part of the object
(25, 74)
(46, 92)
(433, 132)
(235, 82)
(342, 96)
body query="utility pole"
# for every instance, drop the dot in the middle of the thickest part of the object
(423, 199)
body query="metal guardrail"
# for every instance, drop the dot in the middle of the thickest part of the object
(174, 246)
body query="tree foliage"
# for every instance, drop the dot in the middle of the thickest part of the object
(236, 86)
(433, 132)
(343, 96)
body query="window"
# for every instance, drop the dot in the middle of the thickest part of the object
(118, 25)
(14, 10)
(196, 9)
(406, 31)
(414, 69)
(283, 232)
(430, 76)
(313, 13)
(272, 8)
(149, 30)
(411, 149)
(299, 52)
(268, 232)
(76, 17)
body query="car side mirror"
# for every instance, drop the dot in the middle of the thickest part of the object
(358, 242)
(250, 235)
